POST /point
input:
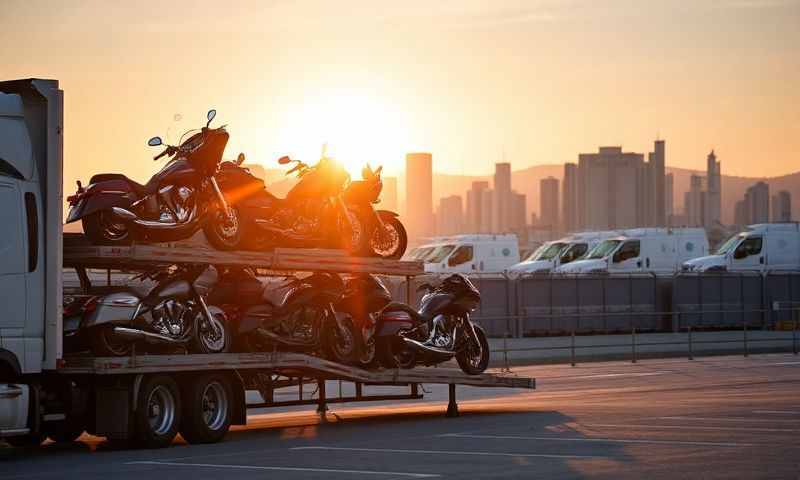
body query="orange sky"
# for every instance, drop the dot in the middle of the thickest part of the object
(466, 80)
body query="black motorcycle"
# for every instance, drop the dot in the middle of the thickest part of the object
(173, 314)
(312, 215)
(363, 298)
(387, 237)
(438, 331)
(180, 199)
(298, 315)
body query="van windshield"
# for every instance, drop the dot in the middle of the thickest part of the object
(420, 253)
(603, 249)
(439, 253)
(548, 251)
(573, 252)
(729, 245)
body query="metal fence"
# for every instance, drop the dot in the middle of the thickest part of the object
(544, 304)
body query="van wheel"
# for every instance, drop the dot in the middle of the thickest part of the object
(158, 412)
(207, 412)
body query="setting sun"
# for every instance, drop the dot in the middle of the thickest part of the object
(356, 128)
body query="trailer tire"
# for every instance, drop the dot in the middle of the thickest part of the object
(158, 412)
(208, 409)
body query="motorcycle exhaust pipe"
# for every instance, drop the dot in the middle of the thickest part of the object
(130, 217)
(427, 349)
(140, 335)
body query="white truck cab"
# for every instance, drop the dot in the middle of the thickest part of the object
(553, 254)
(656, 250)
(480, 253)
(761, 247)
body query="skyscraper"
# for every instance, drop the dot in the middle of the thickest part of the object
(657, 166)
(419, 194)
(474, 209)
(389, 194)
(609, 189)
(754, 207)
(502, 200)
(669, 196)
(548, 203)
(713, 206)
(569, 215)
(782, 207)
(450, 216)
(694, 202)
(518, 215)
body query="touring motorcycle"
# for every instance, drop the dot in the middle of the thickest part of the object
(363, 298)
(313, 214)
(436, 332)
(386, 235)
(297, 315)
(176, 202)
(173, 314)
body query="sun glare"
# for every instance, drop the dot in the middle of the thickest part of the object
(356, 129)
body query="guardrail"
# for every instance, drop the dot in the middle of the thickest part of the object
(633, 345)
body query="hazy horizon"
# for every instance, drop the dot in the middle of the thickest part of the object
(472, 82)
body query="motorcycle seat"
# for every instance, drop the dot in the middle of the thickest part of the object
(402, 307)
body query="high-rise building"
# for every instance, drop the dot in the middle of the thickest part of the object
(518, 215)
(502, 200)
(487, 211)
(694, 202)
(754, 207)
(548, 203)
(474, 208)
(669, 196)
(713, 206)
(389, 194)
(569, 215)
(657, 215)
(450, 216)
(782, 207)
(609, 189)
(419, 195)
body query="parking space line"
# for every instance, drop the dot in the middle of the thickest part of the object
(731, 419)
(446, 452)
(690, 427)
(287, 469)
(776, 412)
(601, 440)
(613, 375)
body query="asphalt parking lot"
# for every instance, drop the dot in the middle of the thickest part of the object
(722, 417)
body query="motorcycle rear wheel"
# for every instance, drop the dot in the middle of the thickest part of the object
(102, 229)
(224, 232)
(392, 354)
(471, 361)
(105, 345)
(340, 345)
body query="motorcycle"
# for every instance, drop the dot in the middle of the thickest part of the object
(438, 331)
(173, 314)
(176, 202)
(313, 214)
(387, 237)
(298, 315)
(363, 298)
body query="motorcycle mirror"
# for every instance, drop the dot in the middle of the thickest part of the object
(210, 116)
(155, 141)
(240, 159)
(284, 160)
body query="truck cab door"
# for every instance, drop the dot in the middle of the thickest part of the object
(13, 258)
(750, 254)
(627, 258)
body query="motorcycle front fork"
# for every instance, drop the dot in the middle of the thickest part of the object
(223, 204)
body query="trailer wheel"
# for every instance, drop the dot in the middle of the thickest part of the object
(158, 412)
(207, 409)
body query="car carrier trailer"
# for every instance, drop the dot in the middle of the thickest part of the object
(144, 398)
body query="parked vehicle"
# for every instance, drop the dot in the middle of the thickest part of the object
(313, 214)
(297, 315)
(657, 250)
(552, 255)
(173, 314)
(363, 299)
(760, 248)
(479, 253)
(176, 202)
(386, 235)
(437, 331)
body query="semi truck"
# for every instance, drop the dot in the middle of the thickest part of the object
(143, 399)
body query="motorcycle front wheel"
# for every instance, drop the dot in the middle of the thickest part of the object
(474, 359)
(224, 230)
(390, 241)
(102, 228)
(213, 336)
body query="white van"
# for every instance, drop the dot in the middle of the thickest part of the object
(553, 254)
(657, 250)
(468, 253)
(762, 247)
